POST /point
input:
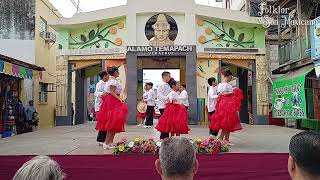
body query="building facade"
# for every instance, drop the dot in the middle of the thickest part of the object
(295, 93)
(199, 40)
(26, 36)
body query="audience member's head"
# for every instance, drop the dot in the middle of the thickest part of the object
(304, 156)
(39, 168)
(31, 103)
(177, 159)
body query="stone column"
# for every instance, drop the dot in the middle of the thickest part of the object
(191, 83)
(63, 82)
(132, 87)
(262, 77)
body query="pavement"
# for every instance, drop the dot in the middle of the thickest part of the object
(81, 140)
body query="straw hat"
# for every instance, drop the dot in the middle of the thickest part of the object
(142, 107)
(161, 23)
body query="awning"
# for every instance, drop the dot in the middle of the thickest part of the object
(17, 68)
(303, 71)
(288, 94)
(292, 65)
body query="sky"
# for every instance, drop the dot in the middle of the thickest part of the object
(67, 9)
(154, 75)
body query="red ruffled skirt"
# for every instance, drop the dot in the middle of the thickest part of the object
(112, 115)
(174, 120)
(141, 115)
(226, 116)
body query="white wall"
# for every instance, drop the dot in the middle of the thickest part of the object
(143, 18)
(237, 4)
(23, 50)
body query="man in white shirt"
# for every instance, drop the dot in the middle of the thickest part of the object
(162, 93)
(212, 100)
(184, 96)
(99, 92)
(151, 103)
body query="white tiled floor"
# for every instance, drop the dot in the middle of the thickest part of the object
(80, 139)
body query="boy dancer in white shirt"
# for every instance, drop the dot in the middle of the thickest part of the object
(162, 93)
(212, 100)
(151, 103)
(99, 92)
(184, 96)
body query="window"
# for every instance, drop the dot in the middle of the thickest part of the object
(43, 25)
(43, 93)
(44, 88)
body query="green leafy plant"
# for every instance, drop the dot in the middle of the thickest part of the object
(94, 38)
(229, 36)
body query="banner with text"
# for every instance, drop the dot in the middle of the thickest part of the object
(288, 97)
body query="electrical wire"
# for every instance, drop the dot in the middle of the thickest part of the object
(77, 6)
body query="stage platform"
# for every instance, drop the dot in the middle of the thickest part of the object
(81, 140)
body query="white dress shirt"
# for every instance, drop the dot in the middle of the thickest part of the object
(162, 93)
(184, 98)
(150, 97)
(145, 95)
(212, 98)
(98, 93)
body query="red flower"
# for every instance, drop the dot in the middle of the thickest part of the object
(151, 148)
(202, 145)
(212, 140)
(124, 140)
(145, 146)
(205, 142)
(219, 144)
(136, 149)
(215, 150)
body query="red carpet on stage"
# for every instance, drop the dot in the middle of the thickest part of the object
(123, 167)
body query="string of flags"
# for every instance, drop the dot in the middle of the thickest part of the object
(18, 71)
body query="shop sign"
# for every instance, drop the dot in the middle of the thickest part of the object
(288, 98)
(160, 50)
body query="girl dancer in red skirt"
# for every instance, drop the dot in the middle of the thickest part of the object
(228, 105)
(175, 117)
(113, 112)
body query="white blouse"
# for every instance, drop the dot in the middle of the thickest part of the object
(224, 87)
(174, 96)
(113, 82)
(184, 98)
(145, 95)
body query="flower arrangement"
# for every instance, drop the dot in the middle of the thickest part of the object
(150, 146)
(209, 146)
(137, 146)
